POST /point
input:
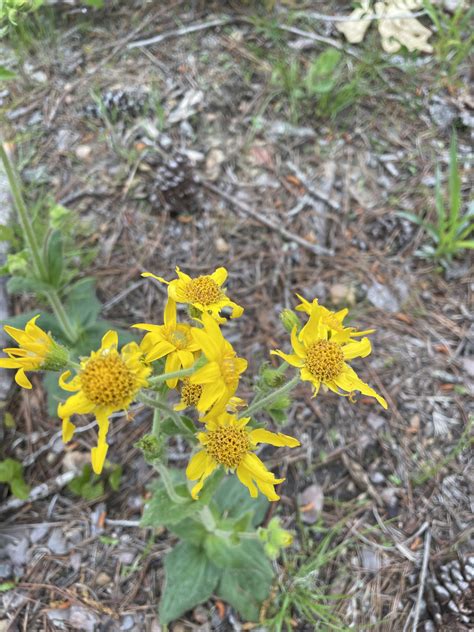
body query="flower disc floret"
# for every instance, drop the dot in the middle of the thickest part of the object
(324, 360)
(190, 393)
(107, 381)
(203, 290)
(228, 445)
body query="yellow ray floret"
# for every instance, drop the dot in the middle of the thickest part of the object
(107, 381)
(173, 340)
(36, 351)
(334, 320)
(219, 378)
(321, 353)
(228, 442)
(205, 293)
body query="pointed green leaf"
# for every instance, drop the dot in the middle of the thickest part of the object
(190, 579)
(54, 257)
(6, 74)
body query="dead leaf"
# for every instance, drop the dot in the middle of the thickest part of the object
(311, 502)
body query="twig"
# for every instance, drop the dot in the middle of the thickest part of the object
(123, 523)
(184, 30)
(421, 587)
(314, 248)
(40, 491)
(369, 17)
(320, 195)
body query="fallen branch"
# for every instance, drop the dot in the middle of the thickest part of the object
(314, 248)
(40, 491)
(421, 587)
(184, 30)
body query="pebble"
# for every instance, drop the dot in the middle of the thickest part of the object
(57, 542)
(83, 152)
(383, 298)
(102, 579)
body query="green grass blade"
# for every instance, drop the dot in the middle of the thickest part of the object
(465, 244)
(454, 187)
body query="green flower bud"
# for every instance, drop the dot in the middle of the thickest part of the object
(290, 320)
(151, 447)
(274, 538)
(57, 357)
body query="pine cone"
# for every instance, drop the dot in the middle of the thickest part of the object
(118, 103)
(172, 184)
(449, 595)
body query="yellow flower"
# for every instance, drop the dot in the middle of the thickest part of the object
(172, 340)
(229, 443)
(107, 381)
(332, 319)
(321, 352)
(205, 292)
(219, 378)
(36, 351)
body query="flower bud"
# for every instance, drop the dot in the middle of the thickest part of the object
(290, 320)
(151, 447)
(274, 538)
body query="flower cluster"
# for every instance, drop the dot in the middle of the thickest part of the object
(203, 367)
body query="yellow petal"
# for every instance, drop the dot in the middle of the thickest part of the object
(219, 276)
(196, 465)
(22, 380)
(245, 478)
(209, 346)
(170, 313)
(298, 347)
(207, 374)
(153, 276)
(68, 430)
(292, 358)
(350, 381)
(110, 339)
(210, 394)
(98, 455)
(257, 468)
(67, 386)
(182, 275)
(237, 310)
(186, 358)
(77, 404)
(260, 435)
(357, 349)
(268, 489)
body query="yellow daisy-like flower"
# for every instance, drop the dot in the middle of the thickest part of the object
(107, 381)
(219, 378)
(321, 353)
(173, 340)
(36, 351)
(332, 319)
(229, 443)
(205, 293)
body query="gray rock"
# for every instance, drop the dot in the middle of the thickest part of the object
(17, 551)
(383, 298)
(6, 570)
(57, 542)
(442, 114)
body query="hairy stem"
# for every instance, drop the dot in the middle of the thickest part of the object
(271, 397)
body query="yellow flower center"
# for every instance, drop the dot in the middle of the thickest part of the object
(179, 336)
(229, 371)
(324, 360)
(190, 393)
(228, 445)
(107, 381)
(203, 290)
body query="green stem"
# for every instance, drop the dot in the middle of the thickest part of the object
(207, 519)
(158, 405)
(168, 483)
(169, 376)
(271, 397)
(30, 238)
(24, 218)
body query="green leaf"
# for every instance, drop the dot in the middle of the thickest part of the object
(82, 304)
(6, 233)
(189, 530)
(190, 579)
(54, 257)
(21, 284)
(97, 4)
(465, 244)
(19, 488)
(234, 500)
(7, 470)
(169, 427)
(161, 510)
(115, 477)
(247, 587)
(6, 74)
(5, 586)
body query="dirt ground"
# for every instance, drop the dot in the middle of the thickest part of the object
(288, 202)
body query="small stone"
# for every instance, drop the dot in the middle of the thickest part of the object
(214, 160)
(383, 298)
(468, 366)
(342, 294)
(82, 619)
(200, 614)
(39, 532)
(39, 76)
(222, 245)
(377, 478)
(311, 502)
(370, 560)
(376, 422)
(57, 542)
(83, 152)
(17, 551)
(102, 579)
(128, 622)
(6, 570)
